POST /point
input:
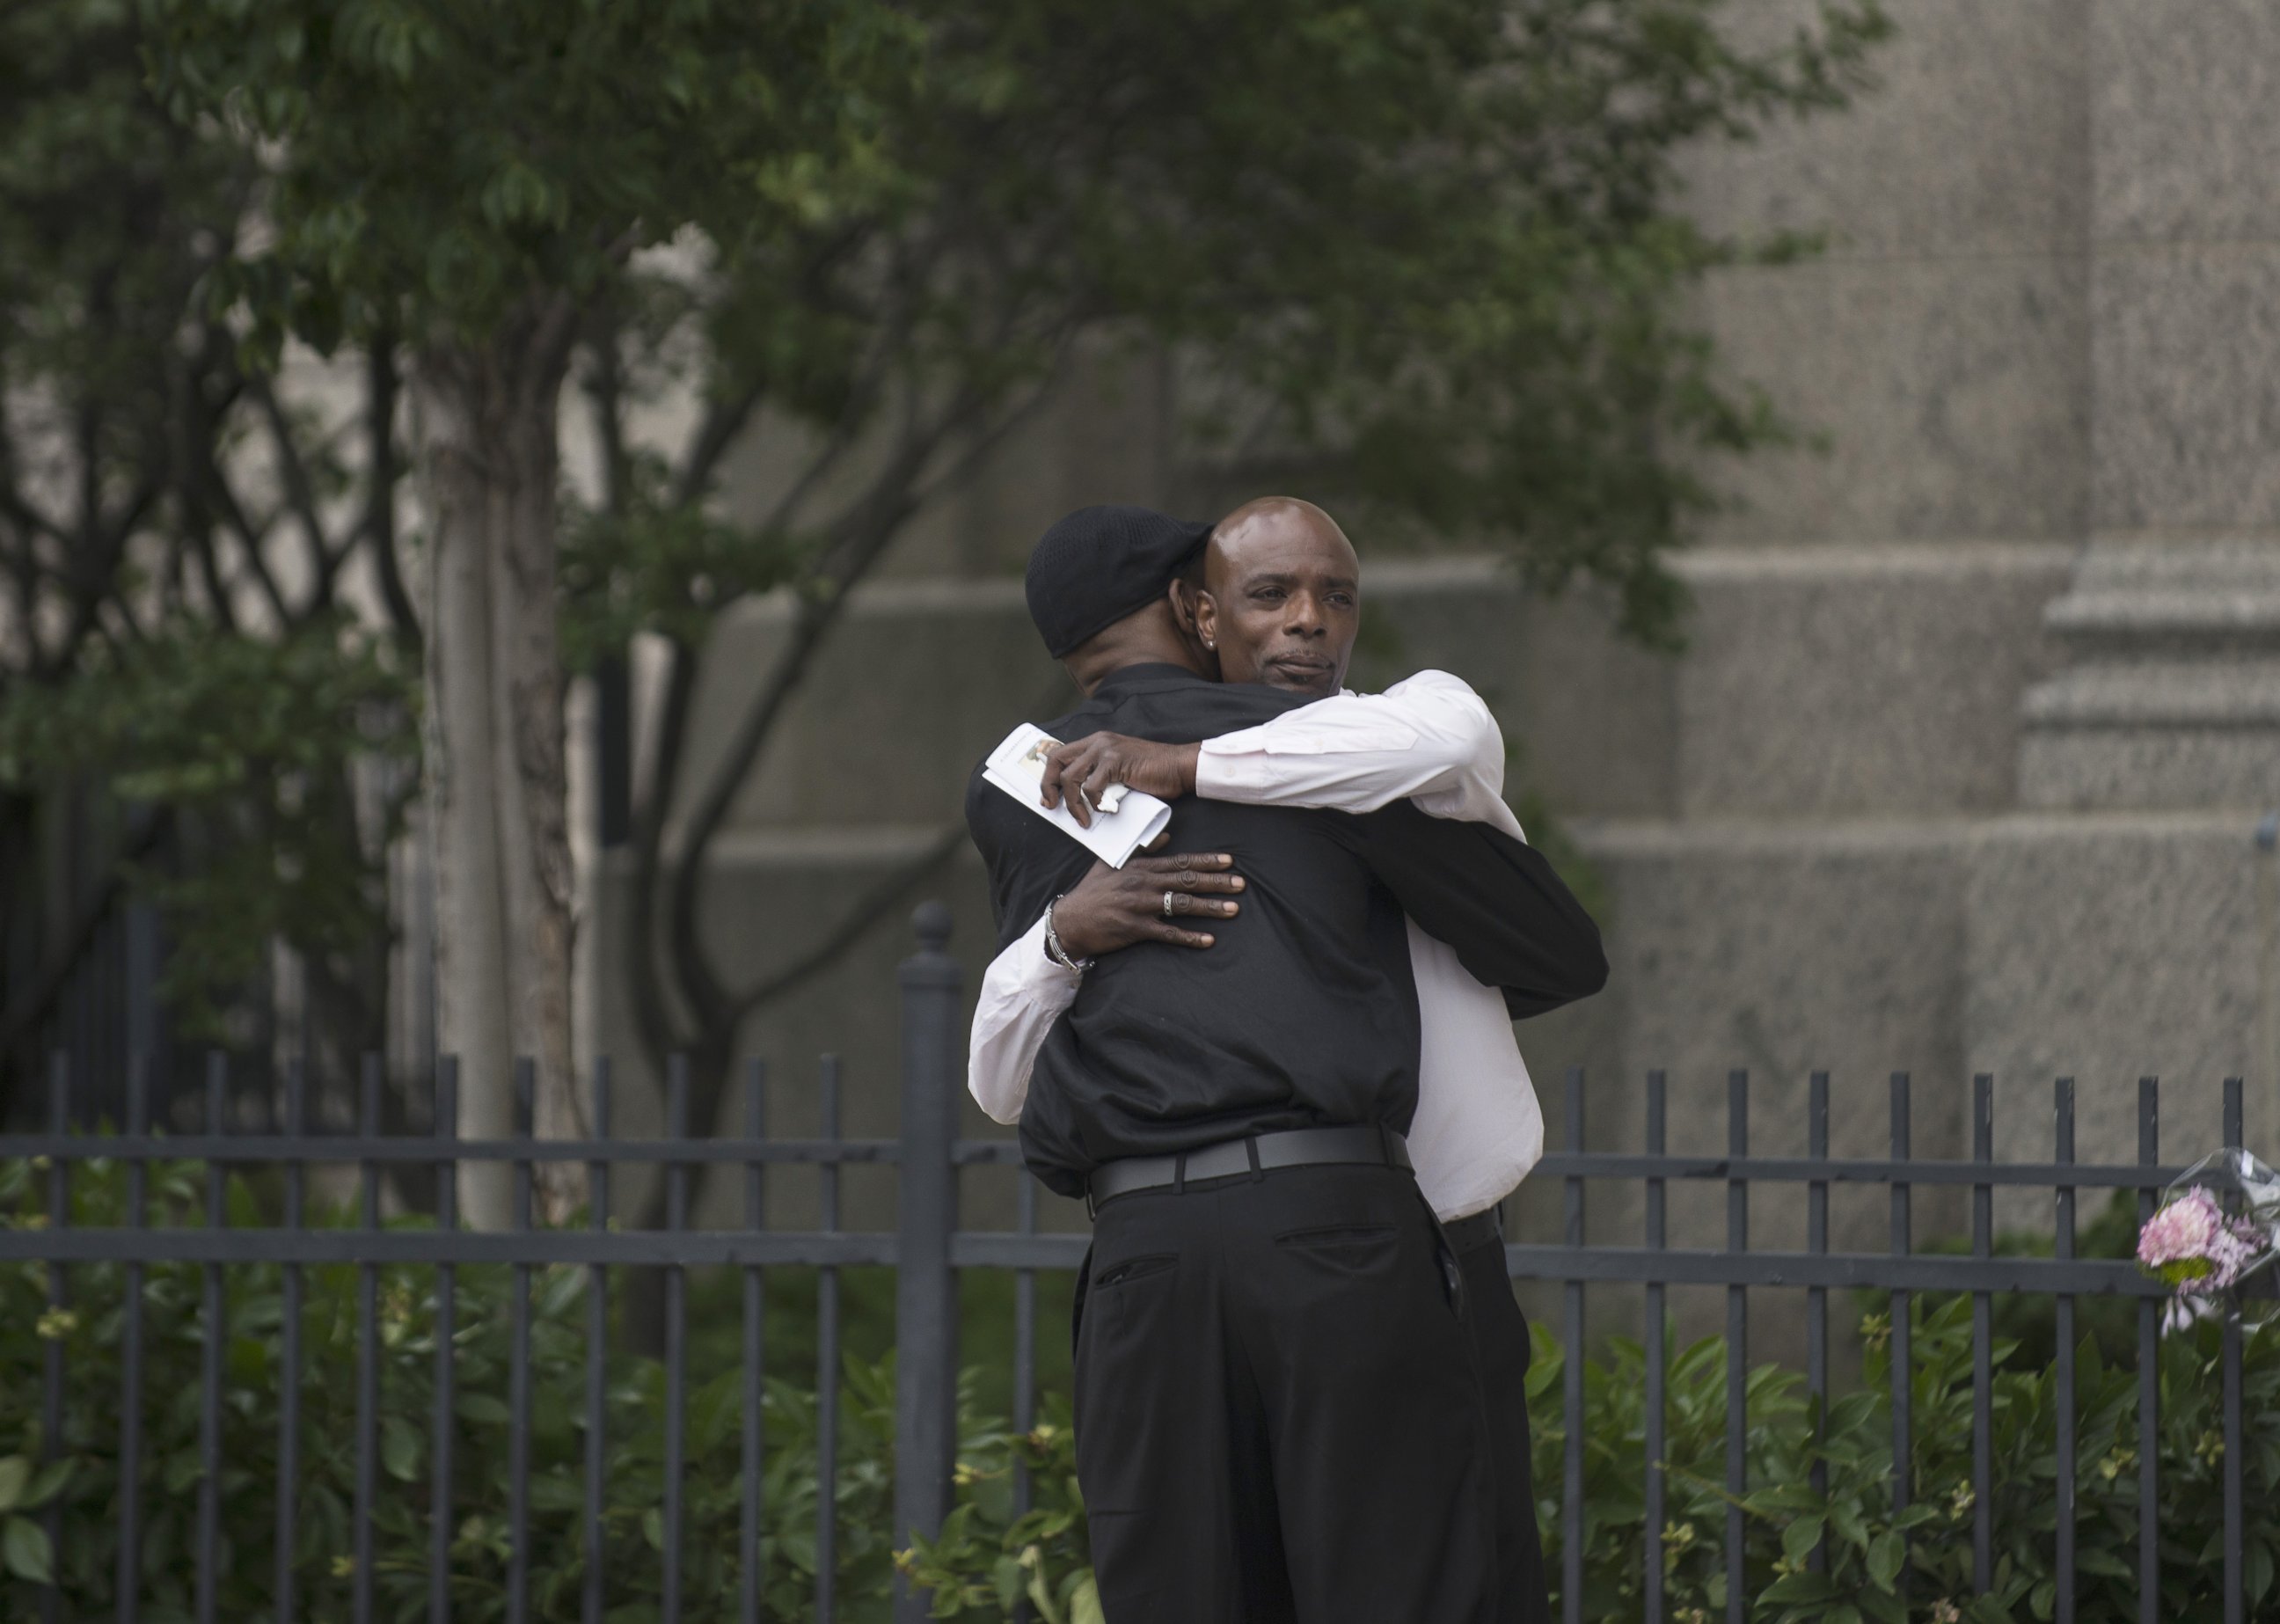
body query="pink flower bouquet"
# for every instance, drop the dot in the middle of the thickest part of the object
(2196, 1248)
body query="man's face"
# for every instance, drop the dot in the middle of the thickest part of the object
(1282, 597)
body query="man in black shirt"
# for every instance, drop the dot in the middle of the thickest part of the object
(1279, 1417)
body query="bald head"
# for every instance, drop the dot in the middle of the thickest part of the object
(1281, 597)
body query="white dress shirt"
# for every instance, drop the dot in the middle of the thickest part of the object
(1429, 739)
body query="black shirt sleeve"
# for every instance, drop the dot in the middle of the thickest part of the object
(1511, 919)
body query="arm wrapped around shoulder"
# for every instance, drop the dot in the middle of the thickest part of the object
(1496, 902)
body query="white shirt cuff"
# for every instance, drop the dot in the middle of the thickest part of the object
(1023, 992)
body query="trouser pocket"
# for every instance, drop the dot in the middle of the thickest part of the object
(1444, 1256)
(1076, 1299)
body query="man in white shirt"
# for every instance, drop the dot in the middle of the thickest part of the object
(1429, 739)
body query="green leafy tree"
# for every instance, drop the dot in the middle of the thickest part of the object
(1425, 259)
(479, 180)
(1425, 256)
(179, 534)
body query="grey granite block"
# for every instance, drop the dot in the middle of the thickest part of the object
(1783, 949)
(1873, 682)
(2186, 342)
(2186, 119)
(2151, 767)
(1952, 397)
(1970, 143)
(2111, 947)
(1589, 719)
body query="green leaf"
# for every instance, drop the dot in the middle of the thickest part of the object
(1084, 1601)
(550, 1491)
(1844, 1517)
(50, 1480)
(1800, 1538)
(483, 1409)
(15, 1473)
(1795, 1587)
(1006, 1576)
(1883, 1607)
(1041, 1597)
(399, 1448)
(25, 1553)
(1886, 1552)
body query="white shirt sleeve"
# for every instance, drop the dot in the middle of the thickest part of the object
(1023, 993)
(1430, 738)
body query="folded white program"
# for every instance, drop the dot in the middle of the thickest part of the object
(1128, 818)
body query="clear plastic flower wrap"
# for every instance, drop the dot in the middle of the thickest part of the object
(2216, 1230)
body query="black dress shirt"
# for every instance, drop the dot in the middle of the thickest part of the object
(1303, 1013)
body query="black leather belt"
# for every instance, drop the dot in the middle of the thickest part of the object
(1478, 1229)
(1296, 1147)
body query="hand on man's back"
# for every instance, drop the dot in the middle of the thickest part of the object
(1083, 768)
(1112, 908)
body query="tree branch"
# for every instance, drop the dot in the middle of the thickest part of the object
(300, 494)
(653, 1014)
(249, 538)
(854, 927)
(605, 387)
(870, 527)
(379, 529)
(724, 420)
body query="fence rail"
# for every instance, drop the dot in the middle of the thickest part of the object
(927, 1250)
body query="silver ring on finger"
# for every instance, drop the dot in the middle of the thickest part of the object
(1167, 902)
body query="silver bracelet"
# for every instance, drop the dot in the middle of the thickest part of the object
(1055, 951)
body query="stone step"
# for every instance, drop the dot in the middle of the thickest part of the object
(2172, 695)
(2241, 693)
(2170, 600)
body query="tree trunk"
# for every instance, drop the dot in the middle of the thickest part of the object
(488, 463)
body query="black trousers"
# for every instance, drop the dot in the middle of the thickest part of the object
(1279, 1417)
(1501, 1349)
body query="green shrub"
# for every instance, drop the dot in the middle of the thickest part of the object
(1874, 1556)
(1928, 1550)
(2030, 1318)
(986, 1557)
(85, 1485)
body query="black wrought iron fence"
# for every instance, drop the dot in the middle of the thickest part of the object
(927, 1250)
(1904, 1272)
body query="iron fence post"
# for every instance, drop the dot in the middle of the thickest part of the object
(926, 1289)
